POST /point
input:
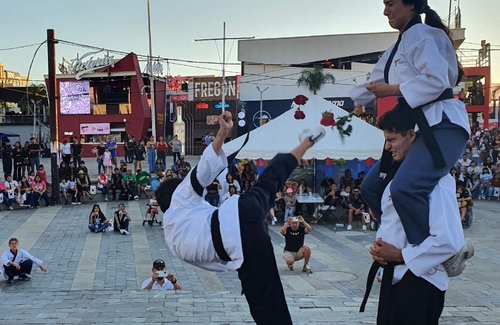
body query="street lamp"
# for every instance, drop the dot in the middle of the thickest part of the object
(261, 91)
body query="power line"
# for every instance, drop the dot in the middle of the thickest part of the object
(19, 47)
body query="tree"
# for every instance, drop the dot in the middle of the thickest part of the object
(315, 79)
(35, 92)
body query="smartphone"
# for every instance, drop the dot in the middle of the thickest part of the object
(161, 274)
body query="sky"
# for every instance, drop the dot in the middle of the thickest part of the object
(123, 25)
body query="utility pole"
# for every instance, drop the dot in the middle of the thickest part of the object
(261, 92)
(223, 39)
(151, 76)
(54, 112)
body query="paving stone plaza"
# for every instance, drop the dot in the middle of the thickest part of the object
(95, 278)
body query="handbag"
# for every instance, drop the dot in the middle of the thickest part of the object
(93, 189)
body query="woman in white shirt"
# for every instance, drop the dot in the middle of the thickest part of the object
(421, 69)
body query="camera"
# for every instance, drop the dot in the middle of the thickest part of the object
(161, 274)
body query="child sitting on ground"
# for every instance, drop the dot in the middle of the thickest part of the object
(63, 189)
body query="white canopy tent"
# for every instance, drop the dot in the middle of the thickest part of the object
(281, 135)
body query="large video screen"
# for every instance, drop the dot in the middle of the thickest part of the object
(75, 97)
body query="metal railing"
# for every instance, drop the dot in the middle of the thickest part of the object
(22, 119)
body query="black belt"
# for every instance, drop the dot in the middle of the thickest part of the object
(384, 306)
(217, 237)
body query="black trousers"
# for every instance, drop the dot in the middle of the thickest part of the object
(26, 267)
(260, 280)
(414, 301)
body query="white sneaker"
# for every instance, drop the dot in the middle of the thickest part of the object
(456, 264)
(364, 227)
(349, 227)
(136, 197)
(124, 232)
(273, 223)
(274, 219)
(314, 134)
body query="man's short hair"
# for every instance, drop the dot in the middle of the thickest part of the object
(13, 239)
(82, 162)
(165, 191)
(398, 120)
(32, 138)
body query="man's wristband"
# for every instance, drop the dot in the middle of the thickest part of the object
(174, 282)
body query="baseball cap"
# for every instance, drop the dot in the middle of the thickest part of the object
(158, 263)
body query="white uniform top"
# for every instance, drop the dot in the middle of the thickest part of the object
(425, 64)
(22, 255)
(66, 148)
(167, 285)
(446, 235)
(187, 221)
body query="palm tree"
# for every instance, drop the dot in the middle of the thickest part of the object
(315, 79)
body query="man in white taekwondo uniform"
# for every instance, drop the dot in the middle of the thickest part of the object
(415, 281)
(233, 236)
(16, 261)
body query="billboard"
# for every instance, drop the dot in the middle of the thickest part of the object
(74, 97)
(94, 128)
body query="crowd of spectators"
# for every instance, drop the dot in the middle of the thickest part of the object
(477, 173)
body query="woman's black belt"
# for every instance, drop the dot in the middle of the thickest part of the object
(214, 223)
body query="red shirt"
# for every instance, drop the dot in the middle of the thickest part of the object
(161, 147)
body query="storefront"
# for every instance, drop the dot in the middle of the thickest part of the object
(101, 96)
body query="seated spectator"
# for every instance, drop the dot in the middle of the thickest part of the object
(73, 190)
(31, 176)
(168, 175)
(97, 220)
(359, 180)
(83, 168)
(463, 177)
(63, 189)
(5, 196)
(290, 202)
(248, 174)
(26, 192)
(464, 201)
(232, 191)
(103, 184)
(184, 167)
(485, 179)
(212, 193)
(39, 191)
(278, 209)
(345, 197)
(143, 178)
(474, 186)
(463, 162)
(488, 163)
(13, 190)
(83, 185)
(494, 189)
(230, 181)
(356, 208)
(72, 170)
(473, 168)
(122, 220)
(326, 183)
(176, 169)
(159, 168)
(331, 198)
(346, 180)
(19, 262)
(246, 185)
(43, 174)
(64, 171)
(152, 208)
(157, 280)
(117, 183)
(131, 183)
(123, 167)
